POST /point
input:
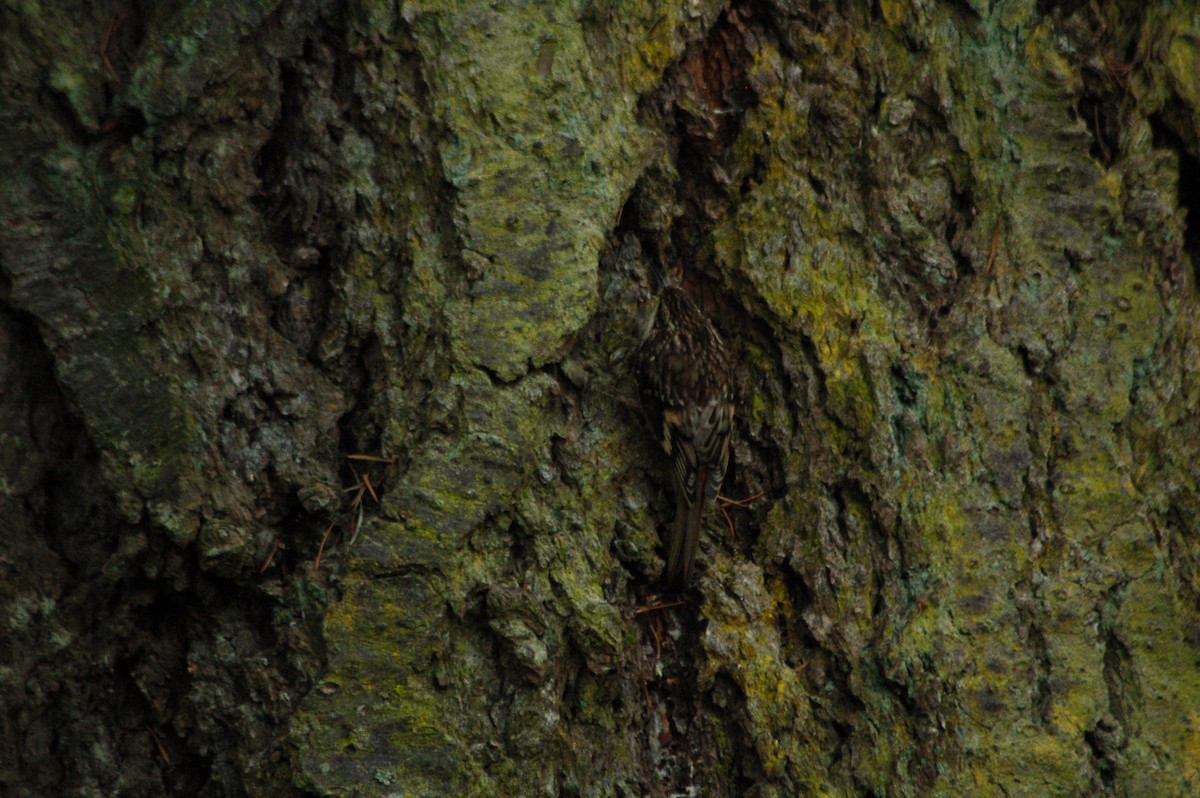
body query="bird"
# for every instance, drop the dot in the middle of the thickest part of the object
(685, 379)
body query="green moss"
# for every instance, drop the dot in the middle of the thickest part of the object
(741, 629)
(78, 88)
(195, 48)
(973, 508)
(412, 579)
(562, 155)
(125, 199)
(1183, 63)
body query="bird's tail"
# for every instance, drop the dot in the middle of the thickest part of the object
(685, 533)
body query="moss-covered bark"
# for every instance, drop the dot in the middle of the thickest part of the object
(952, 244)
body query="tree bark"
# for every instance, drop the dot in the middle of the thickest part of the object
(321, 472)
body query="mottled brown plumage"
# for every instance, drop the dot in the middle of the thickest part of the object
(686, 382)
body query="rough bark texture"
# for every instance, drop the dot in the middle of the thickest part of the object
(953, 246)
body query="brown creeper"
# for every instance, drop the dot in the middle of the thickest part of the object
(686, 383)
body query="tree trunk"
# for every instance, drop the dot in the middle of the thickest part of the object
(321, 470)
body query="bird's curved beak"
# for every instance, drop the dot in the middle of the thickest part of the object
(647, 312)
